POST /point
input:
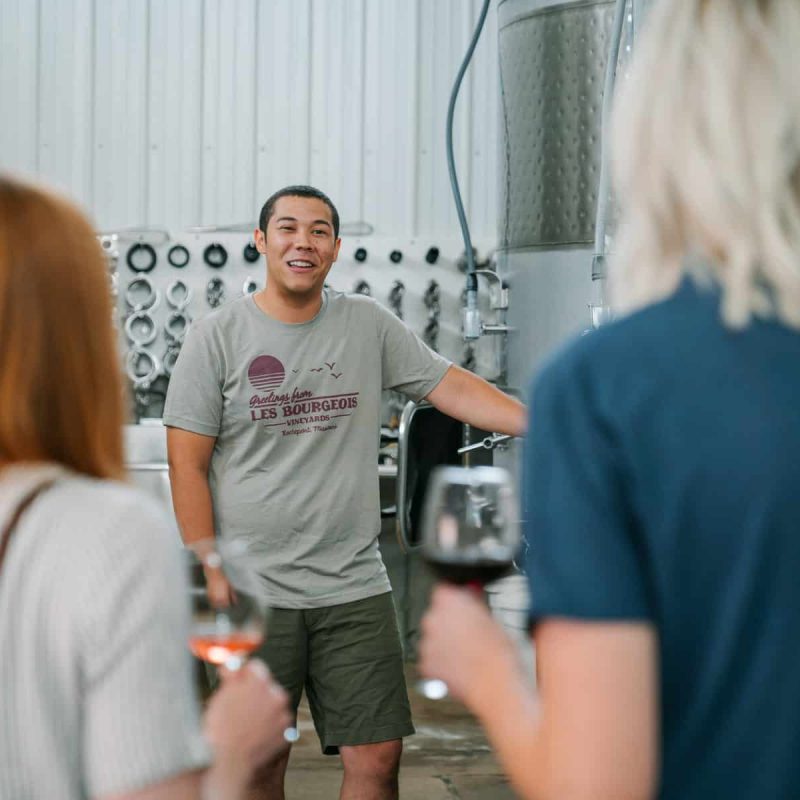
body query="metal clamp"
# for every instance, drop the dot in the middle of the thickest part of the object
(215, 255)
(498, 291)
(396, 298)
(431, 298)
(141, 257)
(140, 328)
(178, 294)
(150, 300)
(469, 361)
(171, 356)
(178, 256)
(431, 333)
(250, 253)
(176, 326)
(110, 244)
(137, 355)
(215, 292)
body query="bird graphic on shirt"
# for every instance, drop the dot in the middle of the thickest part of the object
(336, 375)
(331, 365)
(316, 369)
(295, 371)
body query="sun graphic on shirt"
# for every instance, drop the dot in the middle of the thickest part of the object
(266, 373)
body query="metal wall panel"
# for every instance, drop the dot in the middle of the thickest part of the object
(283, 95)
(390, 115)
(120, 109)
(337, 44)
(174, 135)
(19, 85)
(190, 112)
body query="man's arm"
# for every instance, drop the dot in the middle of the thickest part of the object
(592, 732)
(189, 456)
(466, 397)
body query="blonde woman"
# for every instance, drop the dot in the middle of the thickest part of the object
(661, 468)
(95, 680)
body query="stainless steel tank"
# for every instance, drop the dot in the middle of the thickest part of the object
(552, 60)
(552, 63)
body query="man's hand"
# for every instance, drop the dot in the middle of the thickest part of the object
(464, 396)
(219, 590)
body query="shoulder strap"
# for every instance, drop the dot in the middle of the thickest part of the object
(32, 493)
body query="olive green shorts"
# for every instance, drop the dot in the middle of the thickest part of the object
(349, 660)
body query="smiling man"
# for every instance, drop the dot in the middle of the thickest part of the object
(273, 414)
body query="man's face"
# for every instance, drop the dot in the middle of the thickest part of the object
(300, 246)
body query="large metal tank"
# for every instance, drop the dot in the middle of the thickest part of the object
(552, 62)
(552, 67)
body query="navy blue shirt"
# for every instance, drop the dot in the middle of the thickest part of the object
(662, 485)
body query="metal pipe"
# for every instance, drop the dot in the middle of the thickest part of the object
(601, 219)
(471, 314)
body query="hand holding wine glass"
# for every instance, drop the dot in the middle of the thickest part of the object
(229, 621)
(462, 648)
(470, 533)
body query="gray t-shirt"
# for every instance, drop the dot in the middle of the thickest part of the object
(295, 410)
(96, 694)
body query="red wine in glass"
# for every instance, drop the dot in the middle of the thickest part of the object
(468, 572)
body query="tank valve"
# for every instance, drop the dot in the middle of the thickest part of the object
(489, 443)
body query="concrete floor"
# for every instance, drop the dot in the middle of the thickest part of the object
(448, 758)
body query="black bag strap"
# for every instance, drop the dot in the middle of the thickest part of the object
(30, 495)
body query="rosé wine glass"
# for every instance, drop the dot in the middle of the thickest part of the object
(225, 631)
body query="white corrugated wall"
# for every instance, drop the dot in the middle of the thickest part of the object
(178, 113)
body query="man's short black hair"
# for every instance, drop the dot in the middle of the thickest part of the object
(268, 209)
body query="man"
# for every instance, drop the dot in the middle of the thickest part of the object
(273, 415)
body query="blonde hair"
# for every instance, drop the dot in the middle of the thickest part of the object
(60, 384)
(707, 157)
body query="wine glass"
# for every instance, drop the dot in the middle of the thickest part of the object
(470, 533)
(226, 627)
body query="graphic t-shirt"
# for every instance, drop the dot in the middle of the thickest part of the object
(295, 410)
